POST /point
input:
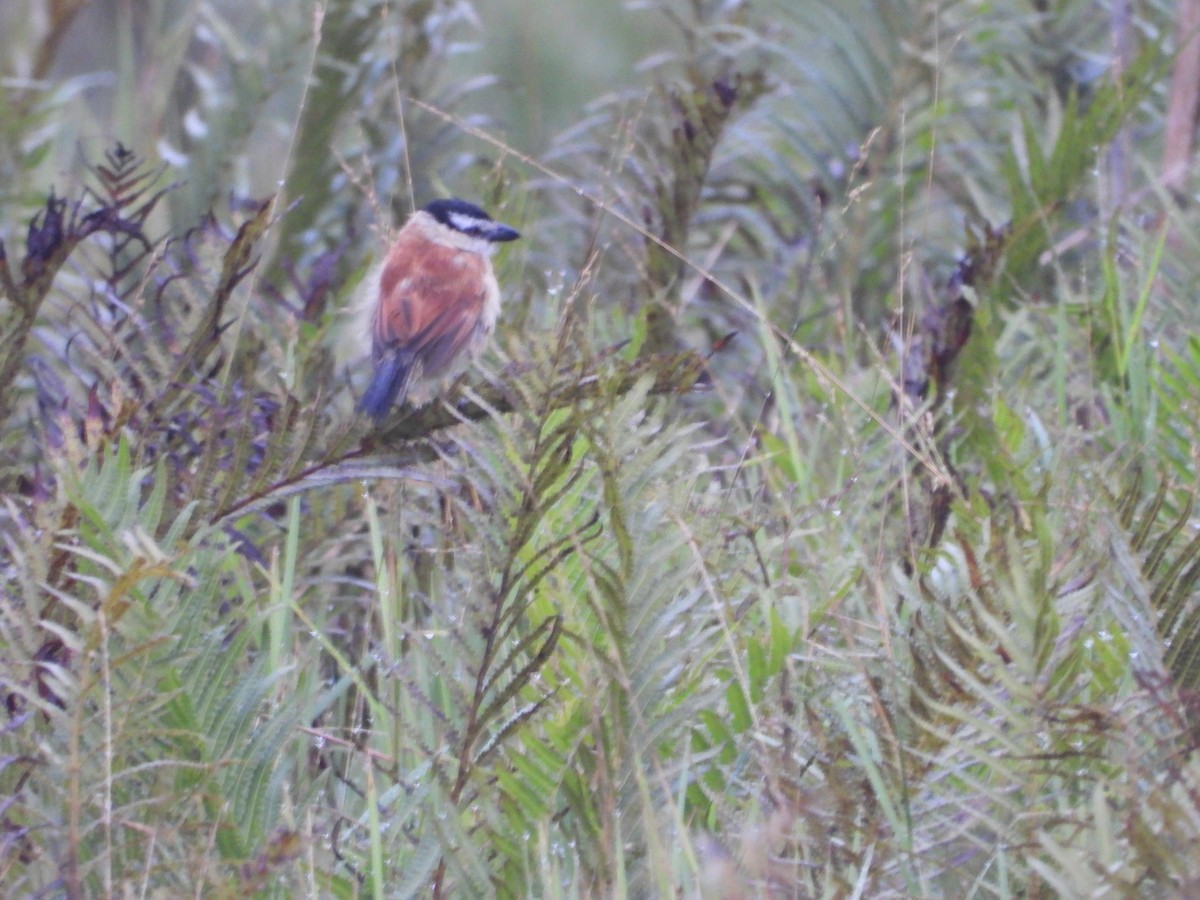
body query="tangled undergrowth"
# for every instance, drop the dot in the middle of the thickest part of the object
(820, 524)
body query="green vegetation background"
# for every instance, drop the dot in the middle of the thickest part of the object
(819, 524)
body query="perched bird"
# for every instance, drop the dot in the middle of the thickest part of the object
(436, 301)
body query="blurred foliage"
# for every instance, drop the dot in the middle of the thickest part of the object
(820, 522)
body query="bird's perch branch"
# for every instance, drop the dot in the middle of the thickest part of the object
(673, 373)
(405, 442)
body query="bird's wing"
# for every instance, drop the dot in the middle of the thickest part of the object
(429, 304)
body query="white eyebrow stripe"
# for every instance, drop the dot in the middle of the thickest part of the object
(464, 222)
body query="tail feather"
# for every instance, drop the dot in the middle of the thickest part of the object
(389, 384)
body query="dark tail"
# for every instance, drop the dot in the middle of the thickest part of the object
(389, 384)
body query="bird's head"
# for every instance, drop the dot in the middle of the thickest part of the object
(465, 225)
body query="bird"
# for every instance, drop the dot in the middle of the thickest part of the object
(436, 301)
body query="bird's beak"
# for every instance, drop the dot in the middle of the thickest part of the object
(498, 232)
